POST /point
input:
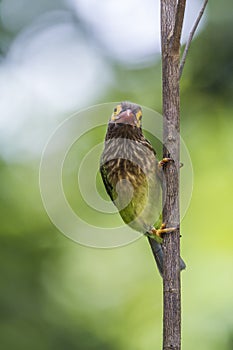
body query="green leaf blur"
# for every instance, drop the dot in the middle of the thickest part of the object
(56, 294)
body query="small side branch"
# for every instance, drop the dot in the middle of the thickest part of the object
(180, 9)
(187, 46)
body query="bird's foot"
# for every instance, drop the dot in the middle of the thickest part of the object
(164, 161)
(167, 160)
(159, 232)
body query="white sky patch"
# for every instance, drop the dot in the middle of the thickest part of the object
(129, 29)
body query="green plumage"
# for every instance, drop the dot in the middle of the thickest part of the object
(129, 170)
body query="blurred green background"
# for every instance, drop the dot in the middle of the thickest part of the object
(58, 57)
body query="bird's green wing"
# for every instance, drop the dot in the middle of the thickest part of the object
(106, 182)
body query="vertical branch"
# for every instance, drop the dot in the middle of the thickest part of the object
(171, 25)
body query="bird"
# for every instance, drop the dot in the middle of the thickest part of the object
(133, 177)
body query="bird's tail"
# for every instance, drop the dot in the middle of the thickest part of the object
(158, 255)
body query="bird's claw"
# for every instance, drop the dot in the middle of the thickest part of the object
(165, 161)
(159, 232)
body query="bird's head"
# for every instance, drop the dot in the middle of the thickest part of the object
(127, 113)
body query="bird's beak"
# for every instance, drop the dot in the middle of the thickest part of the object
(126, 117)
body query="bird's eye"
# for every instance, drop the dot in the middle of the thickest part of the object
(117, 110)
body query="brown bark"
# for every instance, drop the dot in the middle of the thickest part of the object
(171, 26)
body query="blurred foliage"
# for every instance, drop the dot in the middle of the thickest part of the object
(56, 294)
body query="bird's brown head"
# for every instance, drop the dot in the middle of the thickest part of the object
(127, 113)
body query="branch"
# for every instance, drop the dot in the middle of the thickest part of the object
(172, 14)
(187, 46)
(180, 9)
